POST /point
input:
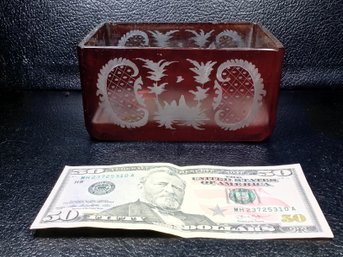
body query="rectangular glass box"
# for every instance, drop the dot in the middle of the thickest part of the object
(180, 81)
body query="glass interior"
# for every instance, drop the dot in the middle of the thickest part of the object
(179, 35)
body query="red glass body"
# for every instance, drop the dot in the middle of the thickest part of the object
(173, 82)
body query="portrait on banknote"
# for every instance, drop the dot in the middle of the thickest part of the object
(162, 192)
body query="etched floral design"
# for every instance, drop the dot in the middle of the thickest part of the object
(200, 93)
(157, 69)
(162, 39)
(134, 38)
(200, 38)
(240, 91)
(157, 89)
(157, 72)
(176, 112)
(229, 38)
(202, 70)
(180, 113)
(118, 87)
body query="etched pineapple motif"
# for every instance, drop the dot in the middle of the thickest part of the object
(120, 94)
(118, 87)
(239, 94)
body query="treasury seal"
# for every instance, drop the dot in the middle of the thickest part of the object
(101, 188)
(242, 195)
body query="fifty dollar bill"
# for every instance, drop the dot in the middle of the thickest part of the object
(193, 201)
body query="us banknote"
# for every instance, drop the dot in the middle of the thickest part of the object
(193, 201)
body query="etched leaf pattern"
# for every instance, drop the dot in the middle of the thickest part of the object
(162, 39)
(200, 38)
(157, 69)
(202, 70)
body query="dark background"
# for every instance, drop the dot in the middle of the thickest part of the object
(38, 39)
(42, 130)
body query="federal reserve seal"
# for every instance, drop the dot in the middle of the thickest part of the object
(242, 195)
(101, 188)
